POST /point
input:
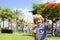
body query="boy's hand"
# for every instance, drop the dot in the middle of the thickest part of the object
(50, 22)
(34, 29)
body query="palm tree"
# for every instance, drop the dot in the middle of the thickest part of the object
(19, 15)
(3, 16)
(10, 16)
(0, 13)
(16, 15)
(22, 23)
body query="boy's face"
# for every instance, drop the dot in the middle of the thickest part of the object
(38, 21)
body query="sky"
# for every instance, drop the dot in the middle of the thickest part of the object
(24, 5)
(16, 4)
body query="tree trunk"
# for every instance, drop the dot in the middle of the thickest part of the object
(3, 23)
(9, 23)
(0, 24)
(16, 23)
(52, 27)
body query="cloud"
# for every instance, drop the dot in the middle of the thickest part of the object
(44, 1)
(20, 9)
(36, 0)
(24, 13)
(41, 1)
(57, 1)
(28, 15)
(50, 1)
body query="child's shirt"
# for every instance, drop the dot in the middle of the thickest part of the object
(41, 32)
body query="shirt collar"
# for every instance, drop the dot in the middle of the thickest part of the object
(40, 25)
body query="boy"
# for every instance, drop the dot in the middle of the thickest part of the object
(40, 29)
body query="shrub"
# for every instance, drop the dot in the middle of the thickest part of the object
(6, 30)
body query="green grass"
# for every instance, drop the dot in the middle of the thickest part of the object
(54, 38)
(15, 37)
(21, 37)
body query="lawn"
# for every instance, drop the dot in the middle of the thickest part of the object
(54, 38)
(15, 37)
(21, 37)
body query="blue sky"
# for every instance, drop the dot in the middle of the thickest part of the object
(21, 3)
(16, 4)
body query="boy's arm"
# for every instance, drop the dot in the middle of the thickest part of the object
(48, 25)
(34, 29)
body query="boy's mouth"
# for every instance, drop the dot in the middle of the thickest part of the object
(38, 22)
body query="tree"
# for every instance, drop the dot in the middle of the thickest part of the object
(49, 10)
(3, 16)
(16, 12)
(22, 23)
(52, 12)
(0, 13)
(37, 8)
(6, 13)
(10, 16)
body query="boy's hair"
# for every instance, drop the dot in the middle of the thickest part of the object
(36, 17)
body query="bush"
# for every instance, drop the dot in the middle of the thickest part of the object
(6, 31)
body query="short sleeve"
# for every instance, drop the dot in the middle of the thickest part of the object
(46, 26)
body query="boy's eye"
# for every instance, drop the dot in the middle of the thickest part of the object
(38, 19)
